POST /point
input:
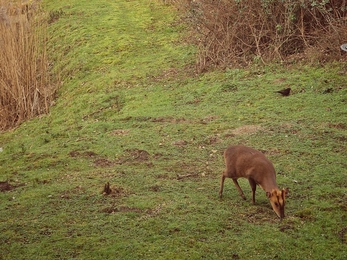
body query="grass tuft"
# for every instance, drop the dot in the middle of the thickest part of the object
(132, 113)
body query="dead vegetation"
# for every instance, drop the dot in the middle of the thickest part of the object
(107, 190)
(234, 33)
(113, 191)
(25, 88)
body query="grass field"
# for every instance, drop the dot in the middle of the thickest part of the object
(132, 112)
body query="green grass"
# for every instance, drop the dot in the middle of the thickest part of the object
(131, 112)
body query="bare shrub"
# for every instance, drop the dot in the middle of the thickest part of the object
(25, 89)
(239, 32)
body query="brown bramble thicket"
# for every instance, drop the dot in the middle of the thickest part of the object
(240, 32)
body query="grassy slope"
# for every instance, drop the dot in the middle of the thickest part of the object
(129, 113)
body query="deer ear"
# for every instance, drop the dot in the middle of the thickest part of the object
(268, 194)
(285, 191)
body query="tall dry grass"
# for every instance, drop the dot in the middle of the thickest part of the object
(25, 88)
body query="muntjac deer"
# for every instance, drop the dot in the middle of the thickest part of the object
(246, 162)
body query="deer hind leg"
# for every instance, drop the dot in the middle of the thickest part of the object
(239, 188)
(254, 187)
(221, 185)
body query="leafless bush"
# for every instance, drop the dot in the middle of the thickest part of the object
(239, 32)
(25, 89)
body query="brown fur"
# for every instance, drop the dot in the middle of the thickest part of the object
(246, 162)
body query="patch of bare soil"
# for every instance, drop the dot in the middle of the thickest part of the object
(244, 130)
(72, 192)
(119, 132)
(155, 188)
(287, 227)
(338, 126)
(164, 176)
(87, 154)
(279, 80)
(173, 73)
(150, 213)
(305, 214)
(180, 143)
(120, 209)
(193, 175)
(99, 162)
(343, 235)
(134, 156)
(129, 156)
(272, 151)
(287, 128)
(102, 162)
(6, 186)
(137, 154)
(185, 167)
(208, 119)
(158, 156)
(260, 216)
(212, 140)
(170, 120)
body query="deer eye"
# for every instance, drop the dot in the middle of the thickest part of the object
(276, 204)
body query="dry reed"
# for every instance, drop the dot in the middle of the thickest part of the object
(25, 89)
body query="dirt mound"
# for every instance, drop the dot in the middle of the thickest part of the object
(6, 186)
